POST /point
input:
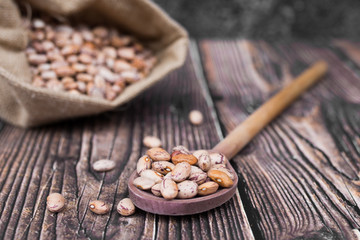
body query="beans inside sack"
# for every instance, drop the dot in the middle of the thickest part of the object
(182, 174)
(94, 61)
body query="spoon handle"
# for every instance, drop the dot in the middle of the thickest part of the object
(243, 133)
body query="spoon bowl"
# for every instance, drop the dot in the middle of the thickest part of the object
(230, 146)
(148, 202)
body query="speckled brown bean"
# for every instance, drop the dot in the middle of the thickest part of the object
(158, 154)
(103, 165)
(48, 46)
(143, 183)
(121, 65)
(126, 53)
(187, 189)
(38, 23)
(151, 174)
(138, 63)
(178, 150)
(143, 163)
(197, 175)
(163, 167)
(100, 31)
(54, 85)
(196, 117)
(189, 158)
(85, 58)
(207, 188)
(125, 207)
(198, 153)
(117, 41)
(44, 67)
(168, 189)
(48, 75)
(84, 77)
(204, 160)
(218, 158)
(221, 178)
(38, 82)
(37, 59)
(74, 91)
(222, 167)
(130, 76)
(181, 172)
(92, 70)
(151, 142)
(156, 189)
(99, 207)
(110, 94)
(69, 50)
(55, 202)
(109, 52)
(107, 74)
(168, 176)
(78, 67)
(64, 71)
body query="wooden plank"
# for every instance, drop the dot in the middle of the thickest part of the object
(300, 176)
(351, 49)
(57, 158)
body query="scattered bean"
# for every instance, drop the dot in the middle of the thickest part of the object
(125, 207)
(196, 117)
(104, 165)
(99, 207)
(55, 202)
(152, 142)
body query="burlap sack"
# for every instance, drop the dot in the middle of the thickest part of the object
(25, 105)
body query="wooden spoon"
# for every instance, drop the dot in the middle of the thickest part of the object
(230, 146)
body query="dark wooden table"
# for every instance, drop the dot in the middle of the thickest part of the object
(299, 178)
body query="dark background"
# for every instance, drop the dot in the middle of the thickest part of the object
(267, 19)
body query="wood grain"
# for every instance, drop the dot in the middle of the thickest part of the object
(298, 179)
(301, 174)
(58, 158)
